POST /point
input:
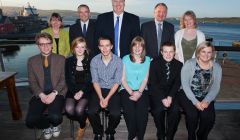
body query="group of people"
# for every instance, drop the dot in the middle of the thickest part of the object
(117, 65)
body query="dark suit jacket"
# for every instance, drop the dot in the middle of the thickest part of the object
(159, 86)
(75, 31)
(36, 74)
(149, 33)
(130, 28)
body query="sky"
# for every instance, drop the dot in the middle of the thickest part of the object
(142, 8)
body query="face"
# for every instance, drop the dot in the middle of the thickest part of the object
(83, 13)
(205, 54)
(137, 49)
(105, 47)
(45, 46)
(80, 49)
(55, 22)
(118, 6)
(160, 13)
(188, 22)
(168, 53)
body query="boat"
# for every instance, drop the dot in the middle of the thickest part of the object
(236, 43)
(23, 26)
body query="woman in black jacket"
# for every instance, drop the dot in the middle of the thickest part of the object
(78, 80)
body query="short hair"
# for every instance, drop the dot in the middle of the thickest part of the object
(161, 4)
(43, 35)
(168, 43)
(83, 5)
(77, 41)
(192, 15)
(205, 44)
(55, 15)
(104, 37)
(134, 42)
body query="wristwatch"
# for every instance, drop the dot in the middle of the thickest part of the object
(56, 92)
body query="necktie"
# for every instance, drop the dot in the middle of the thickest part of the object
(159, 36)
(167, 70)
(45, 61)
(84, 30)
(116, 30)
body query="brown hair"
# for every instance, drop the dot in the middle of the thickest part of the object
(192, 15)
(43, 35)
(168, 44)
(77, 41)
(83, 5)
(161, 4)
(134, 42)
(55, 15)
(203, 45)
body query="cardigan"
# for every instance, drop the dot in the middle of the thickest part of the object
(187, 74)
(63, 43)
(178, 43)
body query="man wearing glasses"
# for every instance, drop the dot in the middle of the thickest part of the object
(46, 75)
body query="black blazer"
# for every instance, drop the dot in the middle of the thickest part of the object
(149, 33)
(70, 70)
(130, 28)
(159, 87)
(75, 31)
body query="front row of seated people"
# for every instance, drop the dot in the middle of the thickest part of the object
(133, 83)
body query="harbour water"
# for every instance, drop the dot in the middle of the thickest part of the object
(222, 34)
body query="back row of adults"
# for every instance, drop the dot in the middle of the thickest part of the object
(122, 27)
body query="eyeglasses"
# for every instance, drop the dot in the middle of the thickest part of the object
(44, 44)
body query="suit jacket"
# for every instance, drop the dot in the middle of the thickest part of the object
(149, 33)
(63, 43)
(130, 28)
(75, 31)
(159, 86)
(36, 74)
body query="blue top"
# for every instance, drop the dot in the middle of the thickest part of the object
(106, 75)
(135, 72)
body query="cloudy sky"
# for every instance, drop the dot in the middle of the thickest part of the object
(143, 8)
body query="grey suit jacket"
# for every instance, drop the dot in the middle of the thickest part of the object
(36, 74)
(149, 33)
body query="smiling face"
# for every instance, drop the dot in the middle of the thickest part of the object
(168, 53)
(189, 22)
(118, 6)
(105, 47)
(205, 54)
(160, 13)
(80, 49)
(45, 46)
(55, 22)
(83, 13)
(137, 49)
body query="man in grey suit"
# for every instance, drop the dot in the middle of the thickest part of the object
(46, 75)
(157, 31)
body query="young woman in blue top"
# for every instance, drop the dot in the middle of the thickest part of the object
(134, 97)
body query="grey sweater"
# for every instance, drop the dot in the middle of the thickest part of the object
(187, 73)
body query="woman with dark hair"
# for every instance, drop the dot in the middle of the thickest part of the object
(60, 36)
(201, 79)
(78, 79)
(133, 92)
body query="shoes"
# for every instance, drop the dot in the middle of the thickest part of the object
(80, 133)
(110, 137)
(47, 133)
(97, 137)
(56, 131)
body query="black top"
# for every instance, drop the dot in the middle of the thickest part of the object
(78, 80)
(161, 84)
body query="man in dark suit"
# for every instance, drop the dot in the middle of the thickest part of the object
(121, 26)
(46, 75)
(158, 31)
(84, 27)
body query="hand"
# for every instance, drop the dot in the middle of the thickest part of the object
(135, 96)
(50, 98)
(101, 102)
(199, 106)
(165, 102)
(43, 97)
(204, 104)
(78, 95)
(169, 98)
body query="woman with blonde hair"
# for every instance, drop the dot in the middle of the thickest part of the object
(188, 37)
(60, 36)
(201, 79)
(78, 80)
